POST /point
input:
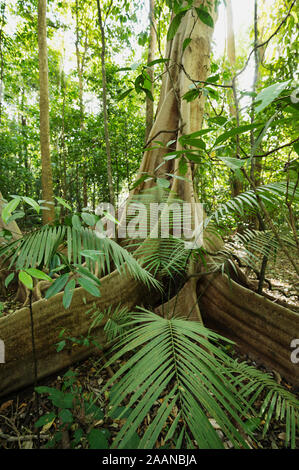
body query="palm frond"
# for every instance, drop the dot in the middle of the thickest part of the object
(277, 403)
(37, 249)
(271, 194)
(117, 320)
(180, 358)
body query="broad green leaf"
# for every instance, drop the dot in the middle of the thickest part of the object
(205, 17)
(31, 202)
(66, 416)
(38, 274)
(164, 183)
(191, 95)
(236, 131)
(68, 293)
(26, 279)
(45, 419)
(233, 163)
(97, 439)
(189, 140)
(183, 166)
(89, 219)
(269, 94)
(61, 345)
(175, 24)
(86, 273)
(9, 208)
(57, 285)
(213, 79)
(89, 286)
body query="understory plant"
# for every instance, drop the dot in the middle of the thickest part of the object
(175, 380)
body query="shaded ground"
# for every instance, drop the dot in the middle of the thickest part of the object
(19, 413)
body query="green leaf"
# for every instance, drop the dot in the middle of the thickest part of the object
(213, 79)
(157, 61)
(26, 279)
(92, 409)
(45, 419)
(62, 400)
(9, 208)
(219, 120)
(78, 434)
(68, 293)
(60, 345)
(66, 416)
(191, 95)
(8, 279)
(233, 163)
(89, 286)
(186, 43)
(86, 273)
(44, 389)
(97, 439)
(163, 183)
(57, 285)
(252, 424)
(76, 222)
(139, 181)
(123, 95)
(189, 140)
(89, 219)
(205, 17)
(174, 26)
(32, 203)
(269, 94)
(38, 274)
(183, 166)
(236, 131)
(296, 147)
(63, 202)
(92, 254)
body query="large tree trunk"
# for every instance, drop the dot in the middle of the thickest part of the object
(265, 328)
(50, 318)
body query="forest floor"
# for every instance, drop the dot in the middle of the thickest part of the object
(19, 412)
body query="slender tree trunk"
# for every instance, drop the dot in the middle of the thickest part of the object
(2, 23)
(104, 83)
(80, 68)
(233, 107)
(150, 71)
(47, 182)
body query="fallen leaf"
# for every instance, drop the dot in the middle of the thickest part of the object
(6, 405)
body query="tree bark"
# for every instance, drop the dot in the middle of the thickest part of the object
(233, 107)
(47, 182)
(106, 128)
(150, 71)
